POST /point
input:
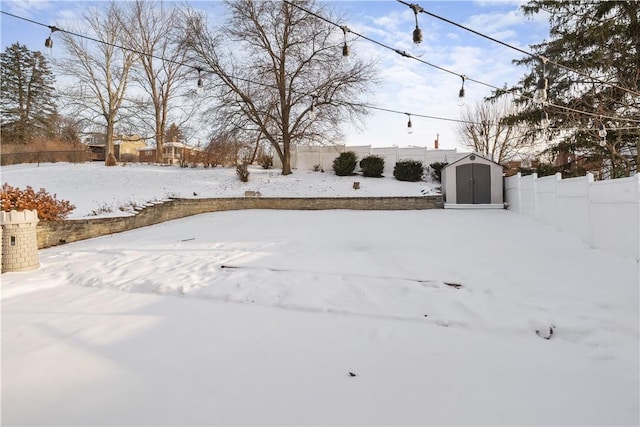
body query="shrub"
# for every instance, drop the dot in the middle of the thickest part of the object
(48, 207)
(436, 170)
(372, 166)
(242, 170)
(317, 168)
(345, 163)
(408, 170)
(128, 157)
(266, 161)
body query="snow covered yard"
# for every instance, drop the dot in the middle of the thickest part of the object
(261, 317)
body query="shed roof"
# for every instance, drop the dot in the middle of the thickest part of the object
(472, 154)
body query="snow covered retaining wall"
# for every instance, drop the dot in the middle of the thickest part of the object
(52, 233)
(604, 214)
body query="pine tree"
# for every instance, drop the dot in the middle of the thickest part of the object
(600, 40)
(174, 134)
(27, 101)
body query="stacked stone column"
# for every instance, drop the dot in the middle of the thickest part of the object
(19, 240)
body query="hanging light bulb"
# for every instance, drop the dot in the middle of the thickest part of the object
(345, 47)
(200, 82)
(312, 111)
(345, 50)
(48, 43)
(409, 124)
(461, 92)
(544, 119)
(602, 131)
(540, 95)
(417, 33)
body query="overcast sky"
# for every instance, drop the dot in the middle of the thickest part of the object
(406, 85)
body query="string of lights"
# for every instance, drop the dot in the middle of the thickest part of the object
(199, 70)
(345, 29)
(418, 8)
(397, 51)
(540, 95)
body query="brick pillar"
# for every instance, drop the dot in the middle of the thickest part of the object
(19, 240)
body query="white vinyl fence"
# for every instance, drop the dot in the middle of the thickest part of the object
(306, 157)
(604, 214)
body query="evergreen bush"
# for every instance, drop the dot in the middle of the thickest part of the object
(345, 163)
(372, 166)
(436, 170)
(408, 170)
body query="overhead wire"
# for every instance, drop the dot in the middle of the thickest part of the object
(533, 55)
(463, 76)
(345, 29)
(198, 68)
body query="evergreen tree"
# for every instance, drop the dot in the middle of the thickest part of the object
(601, 42)
(174, 134)
(27, 101)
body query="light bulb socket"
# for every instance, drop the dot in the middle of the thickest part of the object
(544, 120)
(48, 43)
(417, 35)
(542, 84)
(461, 93)
(345, 49)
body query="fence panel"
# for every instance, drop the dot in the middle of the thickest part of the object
(604, 214)
(573, 205)
(615, 215)
(512, 192)
(546, 199)
(528, 195)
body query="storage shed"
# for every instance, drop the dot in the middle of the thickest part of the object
(472, 180)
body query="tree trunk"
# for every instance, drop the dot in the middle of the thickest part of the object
(286, 157)
(109, 151)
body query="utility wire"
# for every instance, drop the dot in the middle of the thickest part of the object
(344, 28)
(540, 57)
(398, 51)
(196, 68)
(464, 77)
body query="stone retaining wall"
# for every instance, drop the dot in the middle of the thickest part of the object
(52, 233)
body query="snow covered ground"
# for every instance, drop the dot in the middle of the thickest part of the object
(262, 317)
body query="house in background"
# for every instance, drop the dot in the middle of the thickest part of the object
(125, 147)
(174, 153)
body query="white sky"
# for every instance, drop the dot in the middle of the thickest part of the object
(405, 85)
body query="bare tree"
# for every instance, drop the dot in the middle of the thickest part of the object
(151, 29)
(280, 70)
(101, 69)
(485, 131)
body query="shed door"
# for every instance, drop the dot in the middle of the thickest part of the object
(473, 184)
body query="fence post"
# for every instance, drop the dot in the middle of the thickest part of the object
(518, 195)
(590, 180)
(637, 176)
